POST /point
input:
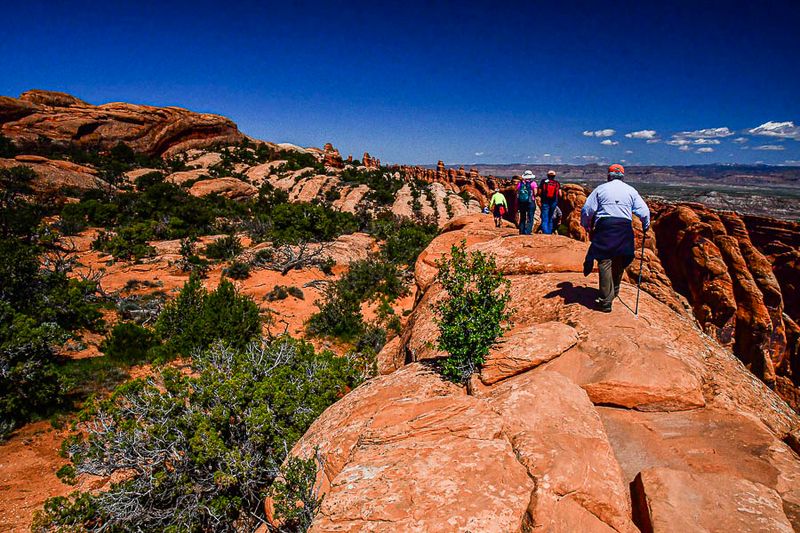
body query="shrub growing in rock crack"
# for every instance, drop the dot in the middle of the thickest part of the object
(473, 315)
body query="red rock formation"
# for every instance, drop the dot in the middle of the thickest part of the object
(551, 438)
(146, 129)
(370, 162)
(332, 158)
(737, 274)
(54, 175)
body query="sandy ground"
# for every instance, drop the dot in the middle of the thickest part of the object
(28, 464)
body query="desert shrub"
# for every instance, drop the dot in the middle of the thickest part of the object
(39, 308)
(295, 495)
(383, 183)
(146, 181)
(7, 147)
(190, 261)
(72, 220)
(297, 292)
(297, 222)
(227, 247)
(199, 452)
(281, 292)
(196, 318)
(30, 384)
(405, 239)
(130, 243)
(278, 292)
(339, 312)
(128, 342)
(237, 270)
(473, 314)
(297, 160)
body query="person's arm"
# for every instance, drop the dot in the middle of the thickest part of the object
(641, 210)
(589, 210)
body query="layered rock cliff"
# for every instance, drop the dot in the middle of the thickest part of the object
(578, 421)
(62, 118)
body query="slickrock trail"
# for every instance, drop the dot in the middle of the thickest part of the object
(579, 421)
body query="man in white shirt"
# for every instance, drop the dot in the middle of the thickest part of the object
(607, 216)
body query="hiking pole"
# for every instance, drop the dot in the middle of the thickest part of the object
(639, 283)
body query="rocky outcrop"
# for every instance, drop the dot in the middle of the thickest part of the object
(232, 188)
(579, 421)
(736, 275)
(146, 129)
(57, 175)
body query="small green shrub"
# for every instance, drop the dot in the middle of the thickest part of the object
(196, 318)
(72, 220)
(237, 270)
(295, 495)
(128, 343)
(281, 292)
(146, 181)
(190, 261)
(227, 247)
(473, 315)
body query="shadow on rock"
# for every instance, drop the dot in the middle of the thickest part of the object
(575, 294)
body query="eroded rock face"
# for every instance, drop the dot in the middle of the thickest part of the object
(736, 275)
(146, 129)
(55, 175)
(572, 406)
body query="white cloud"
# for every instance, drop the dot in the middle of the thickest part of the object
(609, 142)
(706, 141)
(628, 151)
(479, 153)
(653, 141)
(783, 130)
(546, 155)
(600, 133)
(641, 134)
(684, 148)
(792, 162)
(705, 150)
(769, 147)
(588, 157)
(679, 142)
(741, 140)
(707, 133)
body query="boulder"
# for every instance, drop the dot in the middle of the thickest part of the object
(232, 188)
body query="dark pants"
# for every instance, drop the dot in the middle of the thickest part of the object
(548, 206)
(526, 212)
(611, 271)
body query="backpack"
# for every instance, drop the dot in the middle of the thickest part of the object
(550, 189)
(525, 192)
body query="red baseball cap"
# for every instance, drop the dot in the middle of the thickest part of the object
(616, 169)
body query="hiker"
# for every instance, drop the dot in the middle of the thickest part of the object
(549, 190)
(526, 202)
(607, 216)
(498, 206)
(557, 214)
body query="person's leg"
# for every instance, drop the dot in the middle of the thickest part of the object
(617, 270)
(606, 283)
(546, 218)
(523, 214)
(531, 214)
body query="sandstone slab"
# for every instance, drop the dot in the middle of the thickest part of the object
(526, 347)
(559, 437)
(674, 500)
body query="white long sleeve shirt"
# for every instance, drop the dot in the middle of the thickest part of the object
(614, 198)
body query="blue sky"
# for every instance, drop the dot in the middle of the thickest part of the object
(414, 82)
